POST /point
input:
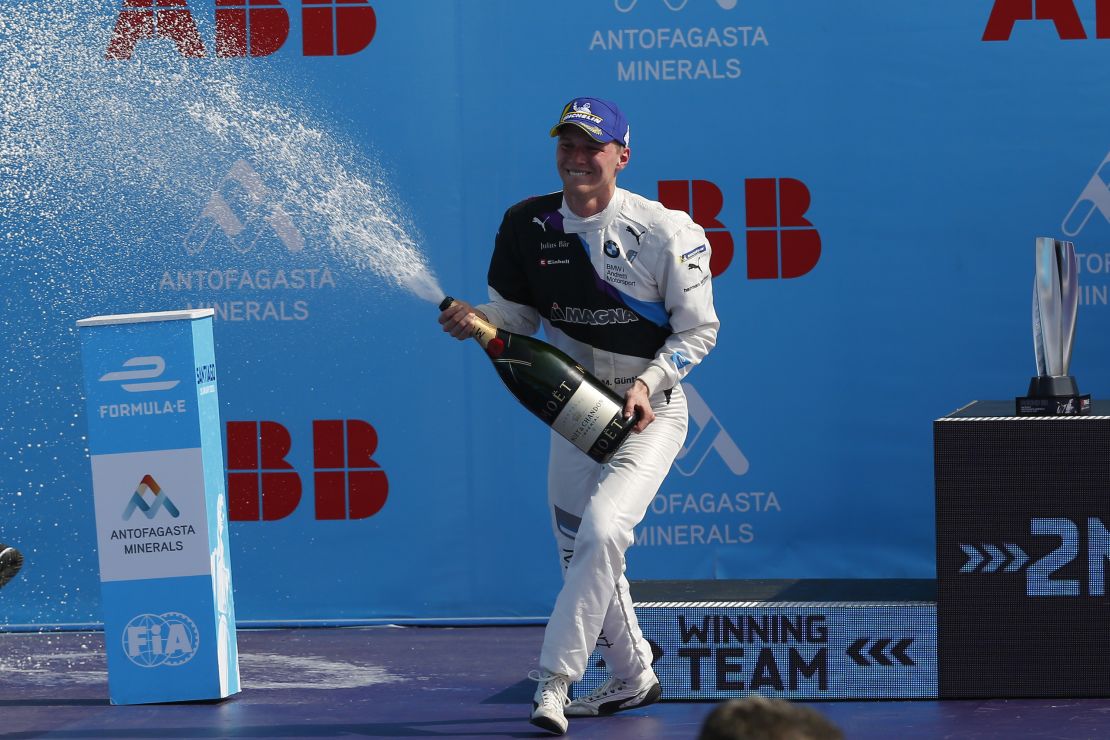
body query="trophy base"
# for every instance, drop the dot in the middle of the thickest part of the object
(1052, 386)
(1059, 406)
(1053, 395)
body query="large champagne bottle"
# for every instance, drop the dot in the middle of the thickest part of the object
(557, 389)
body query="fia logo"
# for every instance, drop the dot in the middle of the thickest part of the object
(151, 640)
(711, 436)
(626, 6)
(160, 500)
(259, 214)
(154, 367)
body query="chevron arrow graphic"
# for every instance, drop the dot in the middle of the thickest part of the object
(974, 558)
(899, 651)
(1020, 558)
(996, 558)
(876, 652)
(1009, 555)
(854, 652)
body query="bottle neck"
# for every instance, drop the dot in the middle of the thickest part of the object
(483, 331)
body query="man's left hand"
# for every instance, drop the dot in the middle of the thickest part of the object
(636, 398)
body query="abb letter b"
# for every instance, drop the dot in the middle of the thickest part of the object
(781, 242)
(261, 485)
(347, 480)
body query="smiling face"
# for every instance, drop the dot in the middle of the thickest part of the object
(588, 169)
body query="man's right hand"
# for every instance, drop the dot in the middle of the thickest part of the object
(456, 319)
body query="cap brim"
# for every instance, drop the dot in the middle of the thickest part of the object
(591, 134)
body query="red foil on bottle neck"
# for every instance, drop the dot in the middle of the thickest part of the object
(495, 347)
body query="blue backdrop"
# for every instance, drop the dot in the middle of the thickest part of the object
(873, 176)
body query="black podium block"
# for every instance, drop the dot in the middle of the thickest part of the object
(1023, 543)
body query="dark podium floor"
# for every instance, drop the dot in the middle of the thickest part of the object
(405, 682)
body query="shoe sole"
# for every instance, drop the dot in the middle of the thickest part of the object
(550, 725)
(652, 695)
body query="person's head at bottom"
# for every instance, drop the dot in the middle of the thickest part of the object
(759, 718)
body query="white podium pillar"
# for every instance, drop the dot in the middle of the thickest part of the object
(160, 506)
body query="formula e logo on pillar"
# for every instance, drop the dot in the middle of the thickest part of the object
(253, 28)
(263, 486)
(1062, 13)
(151, 640)
(152, 367)
(709, 437)
(781, 242)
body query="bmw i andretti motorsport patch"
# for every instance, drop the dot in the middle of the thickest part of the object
(692, 253)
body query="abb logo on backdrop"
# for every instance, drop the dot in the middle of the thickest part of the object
(781, 242)
(1006, 13)
(262, 486)
(253, 28)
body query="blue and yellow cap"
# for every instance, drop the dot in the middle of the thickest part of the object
(601, 119)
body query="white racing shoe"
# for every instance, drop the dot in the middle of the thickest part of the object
(617, 695)
(549, 701)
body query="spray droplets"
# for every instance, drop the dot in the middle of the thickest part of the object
(104, 165)
(335, 197)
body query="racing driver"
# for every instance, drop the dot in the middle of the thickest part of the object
(622, 285)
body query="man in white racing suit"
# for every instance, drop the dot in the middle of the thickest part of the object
(622, 285)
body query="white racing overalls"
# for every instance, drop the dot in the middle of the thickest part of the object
(627, 293)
